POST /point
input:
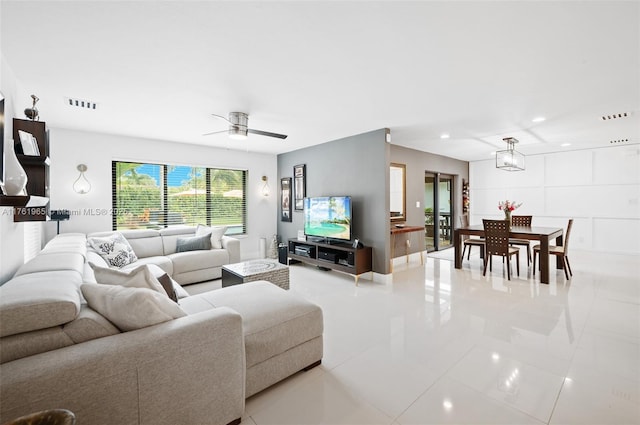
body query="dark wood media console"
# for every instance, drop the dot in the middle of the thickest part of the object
(337, 256)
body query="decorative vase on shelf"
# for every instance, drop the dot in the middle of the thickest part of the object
(15, 178)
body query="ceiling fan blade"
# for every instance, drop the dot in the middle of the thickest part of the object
(216, 132)
(221, 117)
(266, 133)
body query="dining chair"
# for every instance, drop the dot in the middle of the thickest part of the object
(496, 242)
(525, 221)
(468, 240)
(558, 251)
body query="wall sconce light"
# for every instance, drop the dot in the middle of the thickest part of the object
(510, 159)
(82, 185)
(265, 191)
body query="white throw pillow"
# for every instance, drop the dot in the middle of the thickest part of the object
(139, 277)
(130, 308)
(115, 249)
(216, 234)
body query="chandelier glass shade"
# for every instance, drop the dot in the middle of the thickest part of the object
(510, 159)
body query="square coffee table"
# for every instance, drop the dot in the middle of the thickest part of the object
(252, 270)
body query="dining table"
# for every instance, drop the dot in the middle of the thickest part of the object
(535, 233)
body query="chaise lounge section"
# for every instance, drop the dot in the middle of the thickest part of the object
(58, 352)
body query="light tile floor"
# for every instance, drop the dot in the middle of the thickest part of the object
(447, 346)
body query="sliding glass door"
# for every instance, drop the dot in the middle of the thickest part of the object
(438, 210)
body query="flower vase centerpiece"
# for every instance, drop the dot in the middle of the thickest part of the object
(508, 206)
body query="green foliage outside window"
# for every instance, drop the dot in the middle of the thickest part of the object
(156, 196)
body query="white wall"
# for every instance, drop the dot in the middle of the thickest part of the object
(598, 188)
(11, 234)
(69, 148)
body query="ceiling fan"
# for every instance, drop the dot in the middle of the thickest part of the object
(239, 127)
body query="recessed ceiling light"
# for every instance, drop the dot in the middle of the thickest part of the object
(538, 119)
(444, 136)
(565, 144)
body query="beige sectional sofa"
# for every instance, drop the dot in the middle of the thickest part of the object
(159, 247)
(58, 352)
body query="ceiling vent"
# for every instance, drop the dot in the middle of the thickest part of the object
(80, 103)
(615, 116)
(618, 141)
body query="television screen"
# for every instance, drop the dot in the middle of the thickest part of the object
(328, 217)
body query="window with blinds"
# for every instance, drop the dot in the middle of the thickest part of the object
(153, 196)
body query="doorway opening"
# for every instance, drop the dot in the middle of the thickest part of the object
(438, 210)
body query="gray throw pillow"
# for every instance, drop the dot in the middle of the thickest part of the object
(193, 243)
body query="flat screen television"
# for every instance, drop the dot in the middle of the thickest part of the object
(328, 217)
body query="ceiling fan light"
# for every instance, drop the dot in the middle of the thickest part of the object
(237, 134)
(238, 128)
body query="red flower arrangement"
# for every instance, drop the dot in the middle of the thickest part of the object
(507, 207)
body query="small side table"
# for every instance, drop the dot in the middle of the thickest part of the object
(252, 270)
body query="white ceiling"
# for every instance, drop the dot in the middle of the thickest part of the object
(319, 71)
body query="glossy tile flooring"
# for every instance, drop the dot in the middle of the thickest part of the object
(446, 346)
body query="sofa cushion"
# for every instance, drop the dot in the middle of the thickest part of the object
(37, 301)
(67, 242)
(88, 325)
(130, 308)
(196, 303)
(196, 260)
(171, 234)
(193, 243)
(52, 262)
(30, 343)
(273, 320)
(138, 277)
(114, 249)
(216, 233)
(145, 242)
(162, 262)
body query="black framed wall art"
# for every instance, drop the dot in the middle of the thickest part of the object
(300, 185)
(285, 199)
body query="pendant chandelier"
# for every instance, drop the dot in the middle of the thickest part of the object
(510, 159)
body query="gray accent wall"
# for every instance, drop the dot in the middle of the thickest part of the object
(356, 166)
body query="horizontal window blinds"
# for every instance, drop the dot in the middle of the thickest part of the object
(159, 195)
(228, 200)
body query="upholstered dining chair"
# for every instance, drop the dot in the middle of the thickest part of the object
(469, 241)
(522, 220)
(496, 242)
(558, 251)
